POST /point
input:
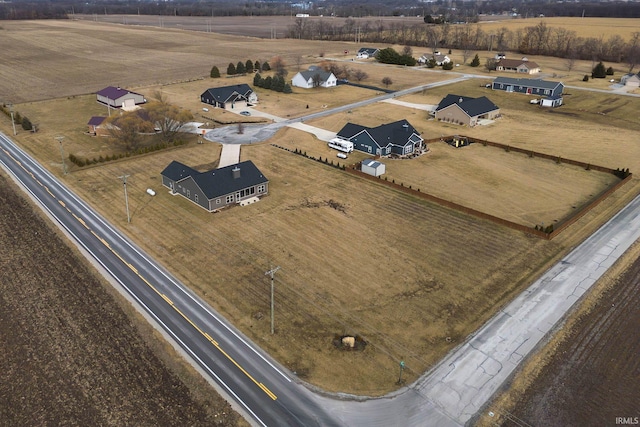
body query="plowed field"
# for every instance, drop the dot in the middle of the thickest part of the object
(594, 377)
(70, 354)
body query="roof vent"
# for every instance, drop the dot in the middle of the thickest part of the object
(235, 172)
(460, 100)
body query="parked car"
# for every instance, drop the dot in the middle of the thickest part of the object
(245, 113)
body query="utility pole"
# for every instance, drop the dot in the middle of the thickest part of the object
(13, 123)
(401, 369)
(64, 165)
(272, 272)
(126, 198)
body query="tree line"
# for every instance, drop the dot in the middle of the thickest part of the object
(540, 39)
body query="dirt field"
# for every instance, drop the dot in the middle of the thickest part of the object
(73, 351)
(588, 374)
(438, 274)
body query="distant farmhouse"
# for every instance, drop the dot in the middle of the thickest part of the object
(116, 97)
(522, 66)
(465, 110)
(229, 97)
(314, 77)
(551, 91)
(394, 138)
(631, 80)
(367, 52)
(437, 57)
(242, 184)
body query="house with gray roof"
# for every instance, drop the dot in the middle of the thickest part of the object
(314, 77)
(528, 86)
(242, 183)
(393, 138)
(367, 52)
(543, 88)
(229, 97)
(116, 97)
(465, 110)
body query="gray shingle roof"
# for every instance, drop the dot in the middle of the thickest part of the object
(398, 133)
(218, 182)
(308, 74)
(471, 106)
(226, 93)
(533, 83)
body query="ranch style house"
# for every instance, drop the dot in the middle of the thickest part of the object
(367, 52)
(116, 97)
(521, 66)
(242, 183)
(551, 91)
(314, 77)
(393, 138)
(229, 97)
(465, 110)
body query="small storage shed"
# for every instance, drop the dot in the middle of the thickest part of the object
(372, 167)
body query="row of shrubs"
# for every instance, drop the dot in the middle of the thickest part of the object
(241, 68)
(276, 83)
(17, 118)
(78, 161)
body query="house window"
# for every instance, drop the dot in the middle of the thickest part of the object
(547, 92)
(369, 149)
(261, 188)
(217, 201)
(189, 193)
(196, 198)
(230, 199)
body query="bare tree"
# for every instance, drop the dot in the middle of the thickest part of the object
(466, 54)
(279, 66)
(632, 56)
(490, 65)
(407, 51)
(128, 129)
(168, 118)
(360, 75)
(386, 81)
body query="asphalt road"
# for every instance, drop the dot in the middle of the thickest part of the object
(266, 393)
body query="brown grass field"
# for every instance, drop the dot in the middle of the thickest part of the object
(411, 277)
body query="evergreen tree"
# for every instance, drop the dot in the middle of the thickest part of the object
(256, 66)
(287, 88)
(267, 82)
(26, 124)
(475, 62)
(240, 68)
(278, 84)
(231, 69)
(447, 66)
(257, 80)
(248, 66)
(599, 71)
(215, 72)
(610, 71)
(265, 66)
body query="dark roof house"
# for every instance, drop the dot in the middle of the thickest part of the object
(465, 110)
(393, 138)
(242, 183)
(367, 52)
(530, 87)
(117, 97)
(229, 96)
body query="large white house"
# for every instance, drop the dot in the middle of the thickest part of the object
(314, 77)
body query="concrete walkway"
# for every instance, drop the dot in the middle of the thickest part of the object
(230, 155)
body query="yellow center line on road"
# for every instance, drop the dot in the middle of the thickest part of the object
(163, 296)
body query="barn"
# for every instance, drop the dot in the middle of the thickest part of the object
(116, 97)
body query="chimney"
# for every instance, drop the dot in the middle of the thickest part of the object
(235, 172)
